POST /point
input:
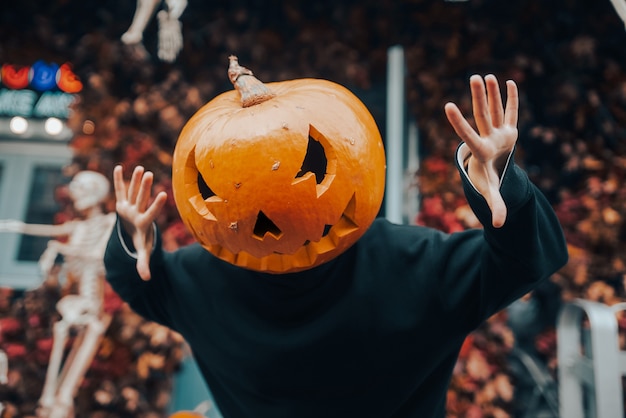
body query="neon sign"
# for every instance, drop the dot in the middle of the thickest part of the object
(41, 90)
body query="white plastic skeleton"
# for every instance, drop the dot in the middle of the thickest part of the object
(83, 259)
(170, 30)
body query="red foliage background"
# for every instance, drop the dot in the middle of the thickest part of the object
(567, 58)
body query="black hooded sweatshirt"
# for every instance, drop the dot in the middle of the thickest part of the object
(374, 332)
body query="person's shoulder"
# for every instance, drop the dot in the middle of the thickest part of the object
(193, 249)
(384, 230)
(383, 225)
(380, 223)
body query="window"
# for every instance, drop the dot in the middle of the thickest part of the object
(29, 175)
(40, 209)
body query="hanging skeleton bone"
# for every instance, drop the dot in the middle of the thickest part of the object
(82, 312)
(170, 29)
(620, 8)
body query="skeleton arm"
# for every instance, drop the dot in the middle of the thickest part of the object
(40, 230)
(53, 249)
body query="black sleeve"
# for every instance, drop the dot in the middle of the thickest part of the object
(147, 298)
(527, 249)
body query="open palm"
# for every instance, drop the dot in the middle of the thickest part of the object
(137, 213)
(492, 142)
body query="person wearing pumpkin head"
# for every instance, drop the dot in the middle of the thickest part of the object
(373, 330)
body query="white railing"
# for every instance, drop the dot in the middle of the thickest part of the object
(591, 363)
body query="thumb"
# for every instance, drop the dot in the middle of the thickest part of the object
(143, 264)
(144, 249)
(498, 208)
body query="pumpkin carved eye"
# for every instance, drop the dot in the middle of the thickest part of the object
(279, 177)
(203, 188)
(314, 161)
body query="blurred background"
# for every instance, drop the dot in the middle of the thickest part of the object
(122, 103)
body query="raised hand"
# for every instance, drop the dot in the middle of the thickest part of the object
(492, 144)
(137, 214)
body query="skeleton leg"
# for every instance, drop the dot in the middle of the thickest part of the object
(176, 8)
(170, 30)
(60, 329)
(170, 37)
(143, 13)
(77, 366)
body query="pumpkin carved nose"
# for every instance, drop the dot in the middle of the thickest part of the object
(265, 226)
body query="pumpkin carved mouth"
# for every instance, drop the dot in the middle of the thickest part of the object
(264, 227)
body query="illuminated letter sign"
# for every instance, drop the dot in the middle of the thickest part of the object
(17, 102)
(42, 90)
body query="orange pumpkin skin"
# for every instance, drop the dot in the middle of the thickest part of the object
(250, 159)
(186, 414)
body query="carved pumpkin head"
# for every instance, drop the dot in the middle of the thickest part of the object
(279, 177)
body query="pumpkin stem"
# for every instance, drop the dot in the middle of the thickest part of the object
(252, 90)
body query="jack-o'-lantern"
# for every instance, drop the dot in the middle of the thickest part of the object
(279, 177)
